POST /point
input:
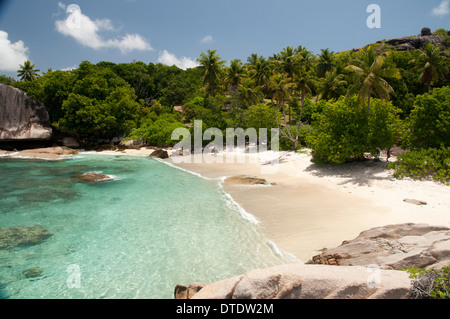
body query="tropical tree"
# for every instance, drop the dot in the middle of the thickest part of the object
(260, 70)
(332, 86)
(211, 66)
(325, 62)
(288, 63)
(27, 72)
(234, 74)
(282, 86)
(430, 65)
(370, 71)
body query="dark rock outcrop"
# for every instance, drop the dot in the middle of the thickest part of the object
(21, 236)
(411, 42)
(22, 117)
(160, 153)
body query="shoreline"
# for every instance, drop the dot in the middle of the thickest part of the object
(305, 208)
(311, 208)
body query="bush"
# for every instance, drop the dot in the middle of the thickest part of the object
(424, 164)
(429, 121)
(342, 131)
(430, 284)
(157, 132)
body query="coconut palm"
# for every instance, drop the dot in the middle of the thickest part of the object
(27, 72)
(282, 86)
(234, 74)
(370, 72)
(288, 63)
(332, 86)
(211, 67)
(325, 62)
(430, 65)
(260, 72)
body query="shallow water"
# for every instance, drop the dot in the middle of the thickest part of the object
(137, 236)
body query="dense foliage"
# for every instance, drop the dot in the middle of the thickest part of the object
(344, 132)
(342, 105)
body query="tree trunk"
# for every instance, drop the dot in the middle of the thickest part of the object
(368, 102)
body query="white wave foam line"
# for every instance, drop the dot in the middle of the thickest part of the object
(282, 253)
(184, 170)
(231, 203)
(9, 154)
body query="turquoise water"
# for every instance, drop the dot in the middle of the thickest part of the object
(137, 236)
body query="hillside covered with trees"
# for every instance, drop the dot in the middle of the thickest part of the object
(341, 105)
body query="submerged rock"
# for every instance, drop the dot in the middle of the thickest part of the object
(20, 236)
(91, 177)
(33, 272)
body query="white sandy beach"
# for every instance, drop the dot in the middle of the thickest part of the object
(310, 208)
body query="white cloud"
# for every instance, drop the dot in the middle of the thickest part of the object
(11, 54)
(62, 5)
(70, 68)
(170, 59)
(442, 9)
(87, 32)
(207, 39)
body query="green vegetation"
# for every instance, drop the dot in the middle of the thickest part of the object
(341, 105)
(430, 284)
(424, 164)
(342, 131)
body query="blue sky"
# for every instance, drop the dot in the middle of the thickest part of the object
(60, 34)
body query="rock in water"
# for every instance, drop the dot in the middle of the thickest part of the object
(22, 117)
(21, 236)
(160, 153)
(91, 177)
(33, 272)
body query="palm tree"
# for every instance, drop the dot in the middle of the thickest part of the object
(27, 72)
(325, 63)
(211, 68)
(234, 74)
(430, 65)
(332, 86)
(288, 63)
(282, 86)
(260, 72)
(370, 72)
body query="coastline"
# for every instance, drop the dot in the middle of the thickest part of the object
(311, 208)
(306, 208)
